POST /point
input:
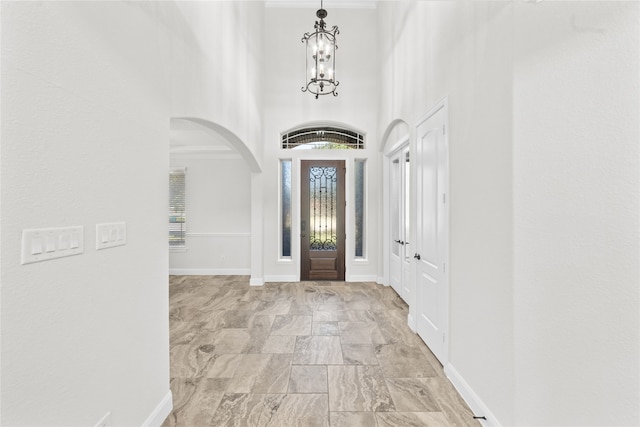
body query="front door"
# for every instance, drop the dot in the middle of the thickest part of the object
(322, 235)
(432, 233)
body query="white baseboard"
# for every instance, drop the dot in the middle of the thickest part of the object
(162, 411)
(209, 271)
(473, 400)
(256, 281)
(380, 281)
(363, 278)
(282, 278)
(412, 323)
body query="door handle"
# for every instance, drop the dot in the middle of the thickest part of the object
(398, 241)
(417, 256)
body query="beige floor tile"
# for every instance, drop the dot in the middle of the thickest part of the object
(195, 401)
(352, 419)
(318, 350)
(238, 409)
(279, 344)
(358, 388)
(308, 379)
(284, 354)
(412, 395)
(237, 319)
(412, 419)
(224, 366)
(291, 325)
(403, 361)
(295, 410)
(360, 333)
(231, 341)
(261, 373)
(359, 354)
(325, 328)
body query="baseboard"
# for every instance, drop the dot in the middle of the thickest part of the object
(162, 411)
(473, 400)
(380, 281)
(411, 322)
(282, 278)
(256, 281)
(209, 271)
(363, 278)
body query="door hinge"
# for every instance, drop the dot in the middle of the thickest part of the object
(444, 198)
(443, 131)
(444, 267)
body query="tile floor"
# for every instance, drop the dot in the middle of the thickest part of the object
(301, 354)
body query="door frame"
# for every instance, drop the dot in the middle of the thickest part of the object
(443, 104)
(349, 157)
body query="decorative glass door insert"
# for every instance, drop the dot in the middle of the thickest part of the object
(322, 220)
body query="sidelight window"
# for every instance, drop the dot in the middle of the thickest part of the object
(359, 207)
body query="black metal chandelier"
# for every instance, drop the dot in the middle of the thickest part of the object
(321, 58)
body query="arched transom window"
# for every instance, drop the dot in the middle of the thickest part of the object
(322, 137)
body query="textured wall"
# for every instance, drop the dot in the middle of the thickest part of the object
(463, 50)
(576, 154)
(85, 131)
(218, 215)
(544, 103)
(285, 107)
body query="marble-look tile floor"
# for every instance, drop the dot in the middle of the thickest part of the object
(304, 354)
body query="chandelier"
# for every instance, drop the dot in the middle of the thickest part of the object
(321, 58)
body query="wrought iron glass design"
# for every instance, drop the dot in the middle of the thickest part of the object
(285, 169)
(359, 207)
(323, 138)
(323, 206)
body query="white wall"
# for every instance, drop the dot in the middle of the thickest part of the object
(543, 104)
(85, 132)
(216, 68)
(218, 201)
(576, 164)
(285, 107)
(462, 50)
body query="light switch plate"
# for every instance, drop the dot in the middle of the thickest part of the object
(109, 235)
(43, 244)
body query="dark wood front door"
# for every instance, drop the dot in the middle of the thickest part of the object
(322, 220)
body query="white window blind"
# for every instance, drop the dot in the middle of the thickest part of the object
(177, 208)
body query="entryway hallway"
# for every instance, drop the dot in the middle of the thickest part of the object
(301, 354)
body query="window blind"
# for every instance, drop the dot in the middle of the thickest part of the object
(177, 208)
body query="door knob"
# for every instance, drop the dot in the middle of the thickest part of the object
(417, 256)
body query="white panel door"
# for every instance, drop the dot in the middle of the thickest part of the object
(400, 265)
(432, 233)
(395, 215)
(407, 259)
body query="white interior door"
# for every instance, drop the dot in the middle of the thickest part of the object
(432, 292)
(395, 226)
(400, 265)
(407, 254)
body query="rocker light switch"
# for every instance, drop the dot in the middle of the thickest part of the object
(49, 243)
(111, 234)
